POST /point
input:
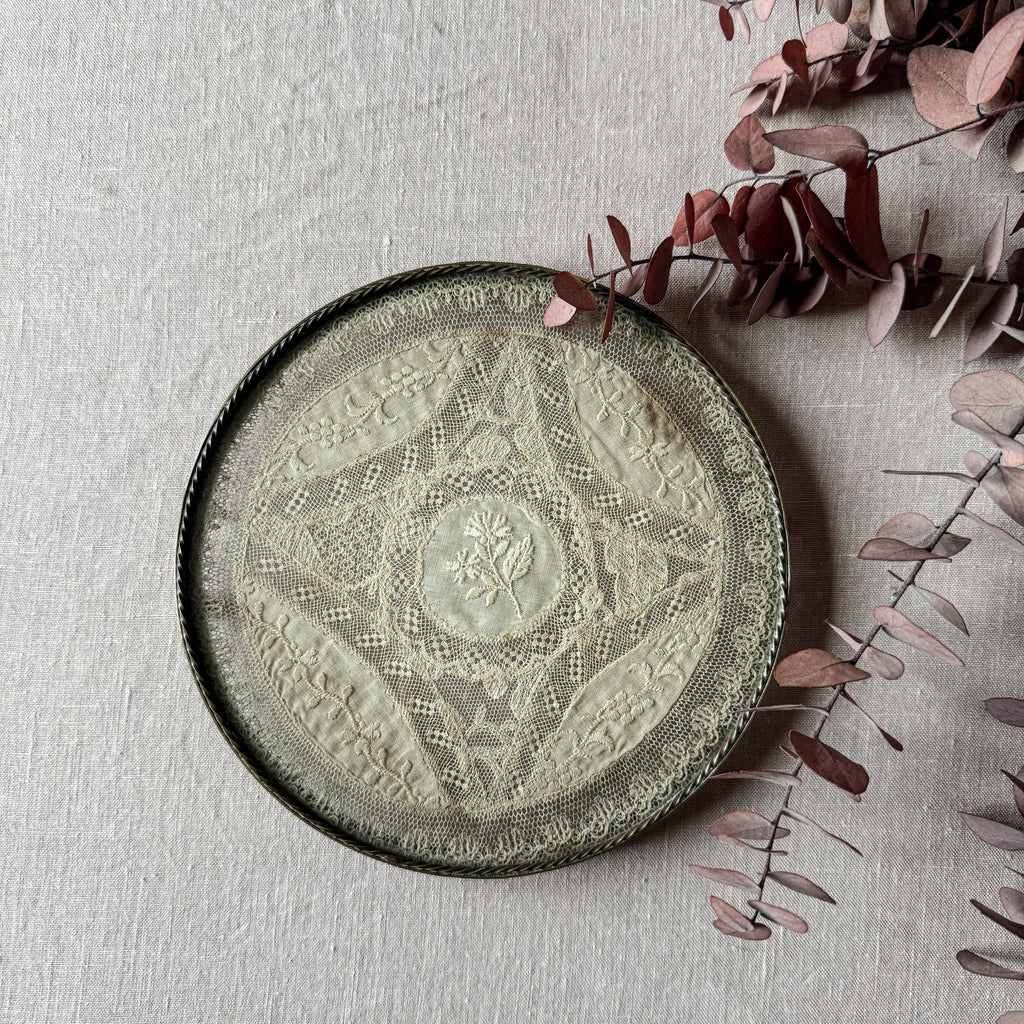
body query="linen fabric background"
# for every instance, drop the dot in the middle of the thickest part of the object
(180, 184)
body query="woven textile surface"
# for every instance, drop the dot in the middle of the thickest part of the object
(182, 183)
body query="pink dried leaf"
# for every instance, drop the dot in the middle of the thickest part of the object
(621, 238)
(766, 295)
(804, 886)
(759, 933)
(658, 270)
(971, 140)
(991, 61)
(888, 549)
(1013, 450)
(728, 237)
(865, 58)
(976, 964)
(1015, 152)
(814, 667)
(832, 765)
(881, 663)
(943, 606)
(884, 305)
(794, 53)
(833, 143)
(947, 312)
(986, 328)
(731, 915)
(864, 225)
(780, 92)
(748, 826)
(911, 527)
(780, 915)
(1008, 710)
(1018, 790)
(885, 734)
(835, 270)
(746, 148)
(725, 22)
(1001, 535)
(995, 395)
(899, 627)
(610, 310)
(877, 21)
(754, 100)
(951, 474)
(1011, 926)
(726, 876)
(1010, 1017)
(634, 282)
(706, 204)
(792, 812)
(1005, 486)
(994, 833)
(937, 77)
(559, 312)
(1012, 901)
(707, 284)
(794, 229)
(742, 22)
(761, 775)
(570, 288)
(763, 9)
(993, 249)
(826, 40)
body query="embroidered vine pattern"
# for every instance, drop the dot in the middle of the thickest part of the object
(493, 540)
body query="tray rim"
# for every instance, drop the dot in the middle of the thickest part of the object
(186, 525)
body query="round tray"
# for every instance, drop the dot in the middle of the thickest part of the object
(473, 596)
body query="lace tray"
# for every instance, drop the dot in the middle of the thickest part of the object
(473, 596)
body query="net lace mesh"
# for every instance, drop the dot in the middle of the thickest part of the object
(482, 595)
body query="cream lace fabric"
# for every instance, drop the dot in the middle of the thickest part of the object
(480, 595)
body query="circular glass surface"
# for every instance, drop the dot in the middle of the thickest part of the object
(475, 596)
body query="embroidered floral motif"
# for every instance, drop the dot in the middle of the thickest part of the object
(493, 538)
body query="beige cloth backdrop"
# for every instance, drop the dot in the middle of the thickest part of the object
(179, 183)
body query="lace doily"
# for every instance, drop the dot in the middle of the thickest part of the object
(472, 595)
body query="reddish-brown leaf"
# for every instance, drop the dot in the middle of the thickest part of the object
(835, 270)
(971, 140)
(1011, 926)
(766, 295)
(937, 77)
(944, 607)
(726, 876)
(590, 256)
(708, 283)
(765, 224)
(802, 885)
(1015, 264)
(794, 53)
(830, 764)
(881, 663)
(814, 667)
(689, 216)
(796, 234)
(1008, 710)
(993, 251)
(994, 833)
(746, 148)
(784, 779)
(728, 237)
(992, 60)
(731, 915)
(739, 207)
(995, 395)
(658, 270)
(889, 549)
(792, 812)
(558, 312)
(990, 969)
(1007, 539)
(726, 23)
(746, 825)
(610, 310)
(706, 204)
(570, 288)
(898, 626)
(1015, 151)
(919, 251)
(828, 231)
(757, 934)
(863, 222)
(621, 237)
(840, 9)
(800, 294)
(634, 282)
(884, 305)
(941, 322)
(780, 915)
(887, 736)
(832, 143)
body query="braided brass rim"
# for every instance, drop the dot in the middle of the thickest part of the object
(183, 550)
